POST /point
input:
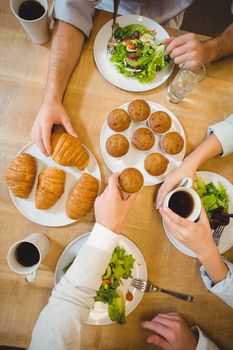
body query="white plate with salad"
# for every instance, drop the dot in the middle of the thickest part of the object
(137, 61)
(134, 157)
(215, 191)
(126, 259)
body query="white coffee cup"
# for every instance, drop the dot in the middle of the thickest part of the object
(37, 29)
(41, 243)
(186, 185)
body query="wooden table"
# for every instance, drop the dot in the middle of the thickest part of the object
(23, 70)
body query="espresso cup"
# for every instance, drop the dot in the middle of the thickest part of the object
(37, 29)
(25, 256)
(184, 201)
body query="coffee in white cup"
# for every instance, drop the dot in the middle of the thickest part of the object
(25, 256)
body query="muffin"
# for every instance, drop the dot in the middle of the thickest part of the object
(117, 145)
(139, 110)
(172, 143)
(160, 122)
(156, 164)
(118, 120)
(131, 180)
(143, 138)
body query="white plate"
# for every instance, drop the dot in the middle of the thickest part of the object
(135, 158)
(226, 240)
(108, 69)
(99, 316)
(55, 216)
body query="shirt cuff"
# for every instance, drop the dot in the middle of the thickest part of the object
(203, 342)
(102, 238)
(224, 132)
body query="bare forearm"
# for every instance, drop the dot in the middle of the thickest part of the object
(219, 47)
(207, 149)
(66, 49)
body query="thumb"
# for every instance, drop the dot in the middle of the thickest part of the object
(68, 126)
(203, 217)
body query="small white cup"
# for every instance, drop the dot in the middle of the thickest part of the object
(41, 242)
(186, 185)
(37, 29)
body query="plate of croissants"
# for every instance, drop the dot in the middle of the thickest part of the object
(55, 190)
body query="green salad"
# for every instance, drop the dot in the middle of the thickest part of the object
(137, 53)
(120, 266)
(215, 201)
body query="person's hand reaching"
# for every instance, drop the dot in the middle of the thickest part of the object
(49, 114)
(110, 209)
(170, 332)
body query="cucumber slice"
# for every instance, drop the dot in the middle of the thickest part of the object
(148, 38)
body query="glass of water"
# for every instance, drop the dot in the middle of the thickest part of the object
(185, 81)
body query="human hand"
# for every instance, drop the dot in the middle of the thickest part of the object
(110, 209)
(187, 50)
(50, 113)
(171, 332)
(171, 181)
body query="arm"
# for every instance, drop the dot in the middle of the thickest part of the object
(187, 48)
(59, 325)
(220, 141)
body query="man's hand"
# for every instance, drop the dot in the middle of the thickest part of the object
(110, 209)
(170, 332)
(187, 50)
(49, 114)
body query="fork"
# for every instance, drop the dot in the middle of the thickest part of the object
(146, 286)
(217, 234)
(109, 45)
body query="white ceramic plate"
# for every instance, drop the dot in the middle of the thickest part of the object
(135, 158)
(55, 216)
(226, 240)
(108, 69)
(99, 316)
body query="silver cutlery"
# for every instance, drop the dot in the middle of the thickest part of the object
(110, 46)
(217, 234)
(147, 287)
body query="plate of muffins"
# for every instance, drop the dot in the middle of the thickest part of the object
(56, 190)
(143, 135)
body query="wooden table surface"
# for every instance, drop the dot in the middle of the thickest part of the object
(23, 70)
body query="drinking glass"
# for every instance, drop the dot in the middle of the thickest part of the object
(185, 81)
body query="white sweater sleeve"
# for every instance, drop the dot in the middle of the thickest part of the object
(224, 132)
(204, 343)
(59, 325)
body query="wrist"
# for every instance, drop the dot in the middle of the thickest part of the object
(210, 50)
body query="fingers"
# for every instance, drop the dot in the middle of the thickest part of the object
(181, 40)
(113, 182)
(156, 327)
(37, 139)
(168, 40)
(163, 191)
(178, 51)
(203, 217)
(68, 126)
(46, 137)
(157, 340)
(176, 224)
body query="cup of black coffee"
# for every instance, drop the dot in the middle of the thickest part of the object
(184, 201)
(24, 257)
(33, 16)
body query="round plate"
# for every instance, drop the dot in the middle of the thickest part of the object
(135, 158)
(55, 216)
(99, 316)
(226, 240)
(108, 69)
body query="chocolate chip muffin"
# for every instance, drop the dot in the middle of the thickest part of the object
(118, 120)
(160, 122)
(172, 143)
(131, 180)
(143, 138)
(156, 164)
(139, 110)
(117, 145)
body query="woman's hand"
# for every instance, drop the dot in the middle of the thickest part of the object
(110, 209)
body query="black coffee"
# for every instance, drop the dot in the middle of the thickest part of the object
(27, 254)
(181, 202)
(31, 10)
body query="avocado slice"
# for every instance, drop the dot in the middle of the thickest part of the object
(108, 273)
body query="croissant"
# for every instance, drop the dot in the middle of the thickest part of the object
(20, 175)
(81, 199)
(68, 151)
(50, 188)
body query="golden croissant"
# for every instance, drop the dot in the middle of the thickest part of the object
(50, 187)
(81, 199)
(68, 151)
(20, 175)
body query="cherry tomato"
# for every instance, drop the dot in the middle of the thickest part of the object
(129, 296)
(132, 46)
(137, 67)
(131, 56)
